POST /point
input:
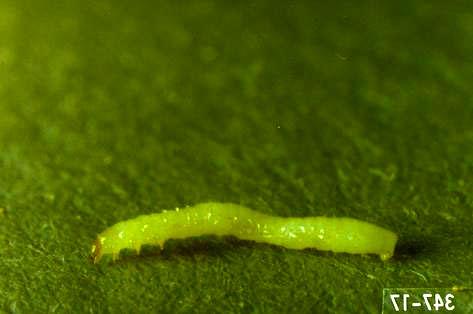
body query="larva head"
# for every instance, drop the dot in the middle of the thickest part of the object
(103, 246)
(114, 239)
(97, 251)
(128, 234)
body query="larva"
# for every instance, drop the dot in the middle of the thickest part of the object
(329, 234)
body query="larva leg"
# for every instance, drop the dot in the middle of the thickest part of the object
(137, 248)
(332, 234)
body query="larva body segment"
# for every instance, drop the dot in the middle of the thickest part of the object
(328, 234)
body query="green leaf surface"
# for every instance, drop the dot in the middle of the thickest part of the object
(114, 109)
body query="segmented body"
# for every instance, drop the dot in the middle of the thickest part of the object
(322, 233)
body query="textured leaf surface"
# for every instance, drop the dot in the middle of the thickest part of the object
(111, 110)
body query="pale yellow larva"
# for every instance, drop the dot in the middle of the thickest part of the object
(329, 234)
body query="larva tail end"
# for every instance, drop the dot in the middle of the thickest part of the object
(390, 246)
(97, 251)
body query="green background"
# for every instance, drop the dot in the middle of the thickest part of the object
(113, 109)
